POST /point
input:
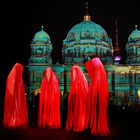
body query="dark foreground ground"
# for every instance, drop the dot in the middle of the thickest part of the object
(124, 124)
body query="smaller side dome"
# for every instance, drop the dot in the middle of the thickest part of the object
(135, 34)
(132, 47)
(41, 36)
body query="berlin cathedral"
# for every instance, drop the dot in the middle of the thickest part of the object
(84, 41)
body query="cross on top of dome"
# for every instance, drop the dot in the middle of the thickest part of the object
(42, 27)
(136, 26)
(87, 16)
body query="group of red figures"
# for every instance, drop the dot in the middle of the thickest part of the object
(87, 103)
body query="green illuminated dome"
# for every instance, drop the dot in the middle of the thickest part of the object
(132, 47)
(41, 49)
(41, 36)
(135, 34)
(86, 30)
(86, 40)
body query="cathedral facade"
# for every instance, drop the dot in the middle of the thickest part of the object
(84, 41)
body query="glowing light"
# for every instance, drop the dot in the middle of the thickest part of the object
(49, 101)
(15, 106)
(97, 117)
(36, 91)
(117, 58)
(77, 100)
(62, 92)
(139, 93)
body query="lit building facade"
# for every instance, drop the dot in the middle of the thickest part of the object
(83, 42)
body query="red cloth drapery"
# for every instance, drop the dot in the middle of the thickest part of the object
(77, 99)
(49, 101)
(15, 106)
(98, 98)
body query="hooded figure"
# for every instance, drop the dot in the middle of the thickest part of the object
(77, 99)
(15, 106)
(49, 101)
(98, 98)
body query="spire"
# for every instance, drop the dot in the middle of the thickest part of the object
(42, 27)
(86, 8)
(136, 26)
(117, 44)
(86, 16)
(117, 49)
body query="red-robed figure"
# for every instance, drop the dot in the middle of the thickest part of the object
(15, 106)
(98, 98)
(77, 99)
(49, 101)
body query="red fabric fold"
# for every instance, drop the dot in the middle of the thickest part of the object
(49, 101)
(15, 106)
(98, 98)
(77, 99)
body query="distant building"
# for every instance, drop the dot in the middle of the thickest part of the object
(83, 42)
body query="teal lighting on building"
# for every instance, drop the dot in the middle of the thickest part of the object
(41, 48)
(133, 47)
(84, 41)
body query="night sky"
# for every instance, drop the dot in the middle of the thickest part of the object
(22, 19)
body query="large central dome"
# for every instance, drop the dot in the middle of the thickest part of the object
(86, 30)
(86, 40)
